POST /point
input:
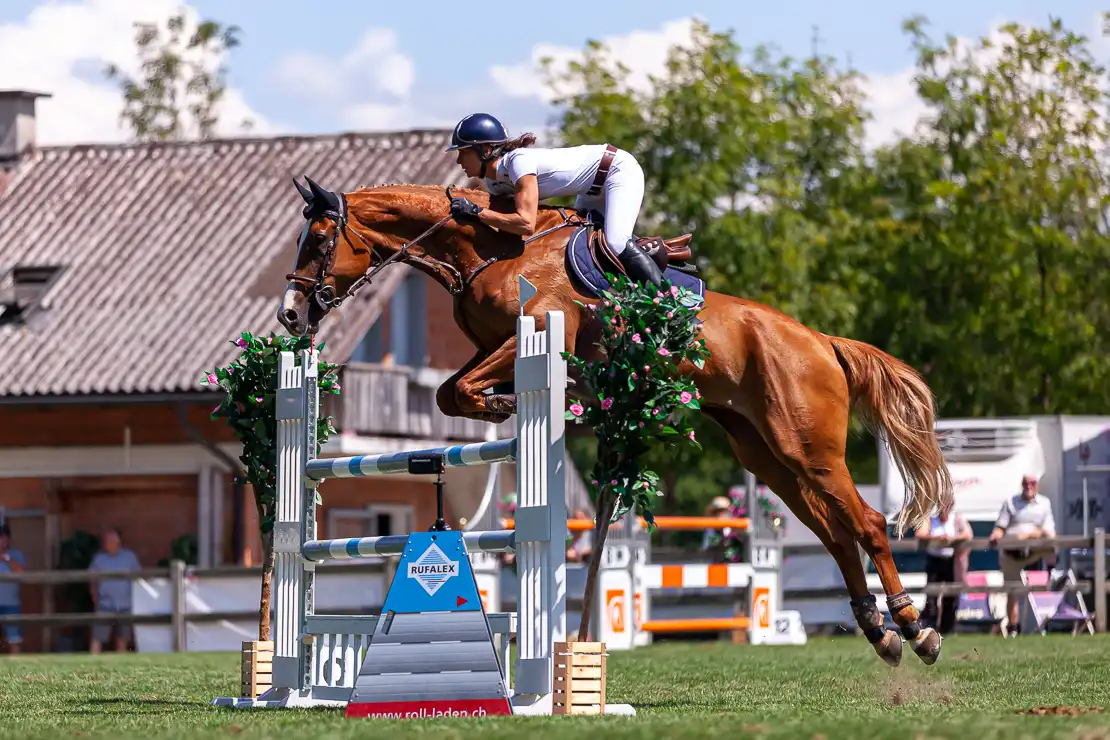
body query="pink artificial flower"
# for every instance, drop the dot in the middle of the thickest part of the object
(241, 342)
(576, 409)
(686, 396)
(692, 435)
(607, 404)
(617, 308)
(655, 301)
(670, 314)
(636, 338)
(212, 378)
(674, 291)
(664, 351)
(647, 330)
(634, 375)
(697, 394)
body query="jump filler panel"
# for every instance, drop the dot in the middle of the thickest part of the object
(432, 652)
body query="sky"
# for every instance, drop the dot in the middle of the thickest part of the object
(370, 66)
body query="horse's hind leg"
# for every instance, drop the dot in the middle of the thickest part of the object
(871, 526)
(813, 512)
(815, 452)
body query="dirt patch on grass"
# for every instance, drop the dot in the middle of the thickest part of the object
(1064, 711)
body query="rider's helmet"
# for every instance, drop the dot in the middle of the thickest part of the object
(476, 129)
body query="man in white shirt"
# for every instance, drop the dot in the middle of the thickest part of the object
(1026, 516)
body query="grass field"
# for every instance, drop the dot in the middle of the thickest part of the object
(832, 688)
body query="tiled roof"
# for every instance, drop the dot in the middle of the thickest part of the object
(170, 250)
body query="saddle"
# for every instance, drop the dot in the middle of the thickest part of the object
(673, 253)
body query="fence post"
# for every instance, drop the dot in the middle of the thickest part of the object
(1100, 579)
(177, 613)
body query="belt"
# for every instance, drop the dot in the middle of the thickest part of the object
(603, 169)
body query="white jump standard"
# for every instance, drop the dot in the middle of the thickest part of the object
(320, 660)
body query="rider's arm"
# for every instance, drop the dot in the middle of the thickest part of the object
(523, 221)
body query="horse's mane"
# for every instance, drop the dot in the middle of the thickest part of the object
(479, 196)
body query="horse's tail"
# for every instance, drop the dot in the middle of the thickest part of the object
(891, 395)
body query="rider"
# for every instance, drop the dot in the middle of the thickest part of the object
(603, 178)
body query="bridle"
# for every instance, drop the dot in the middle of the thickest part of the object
(325, 295)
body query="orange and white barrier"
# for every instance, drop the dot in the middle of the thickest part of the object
(625, 582)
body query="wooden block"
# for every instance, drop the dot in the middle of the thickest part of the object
(257, 668)
(579, 680)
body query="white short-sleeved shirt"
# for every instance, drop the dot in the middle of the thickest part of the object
(563, 171)
(1019, 516)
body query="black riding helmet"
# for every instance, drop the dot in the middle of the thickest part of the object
(477, 129)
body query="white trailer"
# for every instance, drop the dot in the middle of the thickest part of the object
(988, 457)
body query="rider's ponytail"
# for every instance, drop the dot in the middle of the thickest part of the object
(518, 143)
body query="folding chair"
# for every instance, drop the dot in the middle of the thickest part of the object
(1051, 608)
(974, 609)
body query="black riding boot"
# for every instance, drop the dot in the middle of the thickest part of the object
(639, 266)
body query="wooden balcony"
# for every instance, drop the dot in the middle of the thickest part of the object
(382, 401)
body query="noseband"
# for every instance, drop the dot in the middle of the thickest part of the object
(324, 294)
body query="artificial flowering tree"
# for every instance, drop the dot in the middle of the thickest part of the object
(249, 383)
(636, 398)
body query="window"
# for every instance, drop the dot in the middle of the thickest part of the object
(408, 328)
(408, 322)
(22, 290)
(370, 348)
(376, 520)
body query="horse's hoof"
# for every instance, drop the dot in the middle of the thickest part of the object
(890, 648)
(927, 645)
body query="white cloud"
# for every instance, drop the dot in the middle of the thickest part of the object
(644, 53)
(370, 87)
(897, 109)
(61, 48)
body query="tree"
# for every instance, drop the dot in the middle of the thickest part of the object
(761, 158)
(988, 244)
(181, 81)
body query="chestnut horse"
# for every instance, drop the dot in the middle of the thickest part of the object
(780, 390)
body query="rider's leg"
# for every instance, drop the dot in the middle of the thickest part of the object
(624, 193)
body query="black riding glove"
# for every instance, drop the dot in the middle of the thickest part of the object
(464, 209)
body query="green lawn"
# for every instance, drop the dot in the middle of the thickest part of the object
(831, 688)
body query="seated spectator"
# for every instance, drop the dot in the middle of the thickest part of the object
(1026, 516)
(11, 561)
(945, 563)
(719, 508)
(582, 543)
(112, 596)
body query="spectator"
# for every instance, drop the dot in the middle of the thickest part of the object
(719, 508)
(582, 543)
(1026, 516)
(945, 563)
(11, 561)
(112, 596)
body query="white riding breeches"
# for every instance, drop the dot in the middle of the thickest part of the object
(619, 200)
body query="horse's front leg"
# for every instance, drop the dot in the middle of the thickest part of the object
(447, 398)
(470, 389)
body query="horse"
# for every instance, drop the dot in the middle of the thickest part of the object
(782, 392)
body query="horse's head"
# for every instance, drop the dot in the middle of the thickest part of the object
(330, 258)
(347, 239)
